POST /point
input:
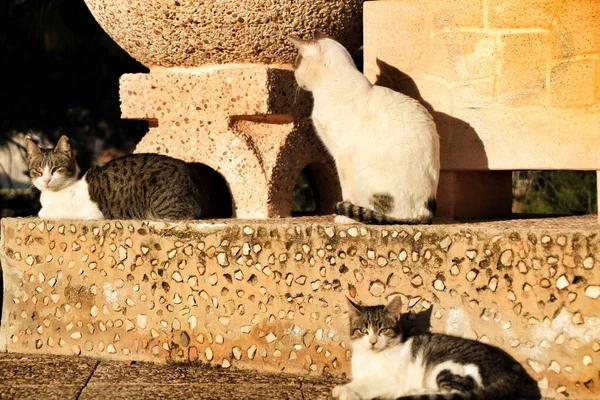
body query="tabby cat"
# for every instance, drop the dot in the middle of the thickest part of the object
(137, 186)
(388, 365)
(385, 144)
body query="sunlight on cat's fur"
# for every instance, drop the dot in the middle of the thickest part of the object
(385, 144)
(135, 186)
(388, 365)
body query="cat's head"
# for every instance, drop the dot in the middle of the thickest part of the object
(51, 169)
(318, 59)
(375, 328)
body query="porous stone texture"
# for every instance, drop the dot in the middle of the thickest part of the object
(249, 123)
(513, 84)
(270, 295)
(188, 33)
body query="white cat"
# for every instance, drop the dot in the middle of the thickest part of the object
(385, 144)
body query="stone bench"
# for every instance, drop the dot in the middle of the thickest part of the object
(270, 295)
(514, 85)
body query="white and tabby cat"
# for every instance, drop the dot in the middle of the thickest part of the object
(388, 365)
(385, 144)
(136, 186)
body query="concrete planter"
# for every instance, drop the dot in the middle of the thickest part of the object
(189, 33)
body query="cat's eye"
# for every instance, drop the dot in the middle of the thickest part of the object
(364, 331)
(59, 169)
(387, 331)
(36, 172)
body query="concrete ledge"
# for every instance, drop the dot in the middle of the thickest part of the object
(269, 295)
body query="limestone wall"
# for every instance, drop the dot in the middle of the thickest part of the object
(271, 295)
(515, 83)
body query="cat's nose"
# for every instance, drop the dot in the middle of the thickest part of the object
(373, 341)
(47, 179)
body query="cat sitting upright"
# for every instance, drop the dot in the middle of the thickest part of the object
(388, 365)
(136, 186)
(385, 144)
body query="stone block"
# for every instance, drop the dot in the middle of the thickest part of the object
(460, 56)
(271, 295)
(209, 95)
(384, 44)
(523, 61)
(597, 91)
(473, 94)
(456, 14)
(572, 84)
(504, 139)
(248, 123)
(509, 14)
(576, 29)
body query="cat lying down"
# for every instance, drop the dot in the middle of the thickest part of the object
(136, 186)
(388, 364)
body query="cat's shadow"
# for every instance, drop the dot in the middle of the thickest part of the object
(451, 129)
(412, 323)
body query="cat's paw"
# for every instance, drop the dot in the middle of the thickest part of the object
(342, 219)
(343, 392)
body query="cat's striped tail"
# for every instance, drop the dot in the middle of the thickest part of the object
(368, 216)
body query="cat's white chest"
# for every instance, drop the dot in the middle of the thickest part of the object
(72, 202)
(392, 371)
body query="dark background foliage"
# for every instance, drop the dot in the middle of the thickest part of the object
(60, 76)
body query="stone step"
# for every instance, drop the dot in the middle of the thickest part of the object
(270, 295)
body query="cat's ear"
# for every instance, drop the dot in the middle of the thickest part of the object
(394, 307)
(32, 149)
(354, 309)
(305, 47)
(63, 145)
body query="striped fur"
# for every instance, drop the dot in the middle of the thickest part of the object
(136, 186)
(147, 186)
(389, 364)
(369, 216)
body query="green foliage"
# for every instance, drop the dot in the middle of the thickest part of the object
(555, 192)
(303, 198)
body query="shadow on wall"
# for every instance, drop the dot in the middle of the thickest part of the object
(453, 131)
(221, 201)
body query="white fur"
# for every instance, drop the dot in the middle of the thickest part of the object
(392, 373)
(69, 202)
(456, 369)
(382, 141)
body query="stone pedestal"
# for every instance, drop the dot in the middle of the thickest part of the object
(221, 92)
(249, 123)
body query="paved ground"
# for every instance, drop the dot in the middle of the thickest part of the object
(56, 377)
